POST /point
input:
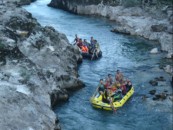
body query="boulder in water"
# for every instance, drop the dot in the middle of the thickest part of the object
(153, 82)
(154, 51)
(168, 69)
(171, 98)
(161, 96)
(161, 78)
(152, 92)
(169, 55)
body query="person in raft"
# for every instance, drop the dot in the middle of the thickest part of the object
(119, 77)
(107, 99)
(84, 48)
(76, 40)
(86, 43)
(109, 81)
(101, 87)
(128, 85)
(123, 87)
(95, 49)
(80, 43)
(92, 41)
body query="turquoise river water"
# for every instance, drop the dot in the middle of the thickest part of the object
(127, 53)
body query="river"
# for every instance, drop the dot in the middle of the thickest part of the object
(129, 54)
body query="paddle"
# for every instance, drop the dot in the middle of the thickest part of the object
(92, 57)
(94, 93)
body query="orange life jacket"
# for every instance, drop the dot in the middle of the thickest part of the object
(84, 49)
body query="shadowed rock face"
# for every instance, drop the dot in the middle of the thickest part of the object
(24, 2)
(37, 68)
(82, 2)
(71, 5)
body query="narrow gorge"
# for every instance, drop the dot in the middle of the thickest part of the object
(40, 69)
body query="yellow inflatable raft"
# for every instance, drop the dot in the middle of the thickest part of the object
(97, 101)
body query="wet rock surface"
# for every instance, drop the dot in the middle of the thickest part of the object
(152, 92)
(159, 97)
(161, 91)
(156, 81)
(38, 67)
(153, 82)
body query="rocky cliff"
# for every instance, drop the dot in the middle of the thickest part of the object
(151, 19)
(37, 68)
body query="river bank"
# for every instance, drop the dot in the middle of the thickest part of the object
(144, 20)
(38, 67)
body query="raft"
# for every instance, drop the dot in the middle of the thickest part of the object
(97, 101)
(89, 56)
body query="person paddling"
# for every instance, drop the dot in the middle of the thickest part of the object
(107, 99)
(101, 87)
(80, 43)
